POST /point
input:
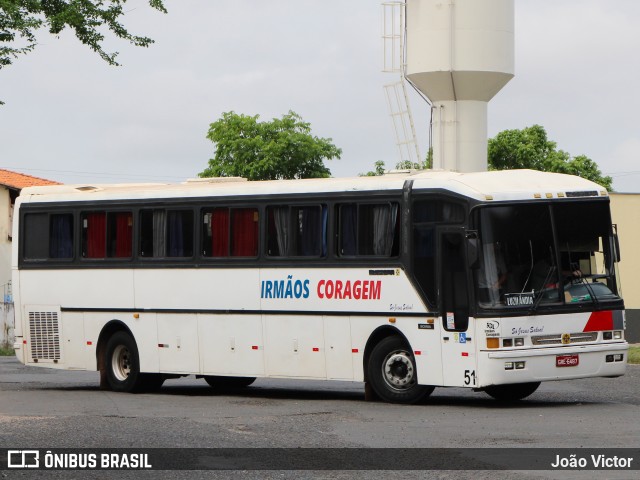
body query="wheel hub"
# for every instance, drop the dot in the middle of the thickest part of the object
(398, 371)
(121, 362)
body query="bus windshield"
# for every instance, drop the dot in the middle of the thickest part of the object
(543, 255)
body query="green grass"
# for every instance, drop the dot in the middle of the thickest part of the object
(634, 354)
(6, 351)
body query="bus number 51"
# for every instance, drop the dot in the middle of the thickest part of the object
(469, 377)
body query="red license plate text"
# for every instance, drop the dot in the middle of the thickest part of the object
(567, 360)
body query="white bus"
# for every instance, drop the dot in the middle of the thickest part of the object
(495, 281)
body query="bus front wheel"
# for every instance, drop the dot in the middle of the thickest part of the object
(392, 372)
(122, 363)
(512, 392)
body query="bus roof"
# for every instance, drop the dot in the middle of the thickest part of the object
(495, 185)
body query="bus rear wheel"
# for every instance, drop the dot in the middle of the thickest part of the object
(122, 363)
(392, 372)
(216, 381)
(512, 392)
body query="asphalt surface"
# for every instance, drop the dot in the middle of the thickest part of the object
(42, 408)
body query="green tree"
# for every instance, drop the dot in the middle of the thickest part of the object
(20, 21)
(277, 149)
(378, 167)
(530, 148)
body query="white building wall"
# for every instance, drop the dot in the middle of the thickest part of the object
(625, 212)
(6, 324)
(5, 243)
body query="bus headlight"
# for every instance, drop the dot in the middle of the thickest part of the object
(519, 342)
(617, 335)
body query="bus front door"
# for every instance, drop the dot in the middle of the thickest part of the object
(458, 355)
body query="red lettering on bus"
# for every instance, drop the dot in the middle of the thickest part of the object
(349, 290)
(329, 289)
(357, 289)
(376, 288)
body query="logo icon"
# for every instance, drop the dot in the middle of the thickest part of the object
(566, 338)
(493, 325)
(23, 459)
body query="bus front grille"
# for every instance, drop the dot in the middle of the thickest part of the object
(557, 339)
(44, 332)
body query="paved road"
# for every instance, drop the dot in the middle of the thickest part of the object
(41, 408)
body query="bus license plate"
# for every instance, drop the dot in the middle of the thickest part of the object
(567, 360)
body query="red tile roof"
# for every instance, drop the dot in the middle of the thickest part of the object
(20, 180)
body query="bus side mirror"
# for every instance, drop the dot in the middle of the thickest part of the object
(472, 249)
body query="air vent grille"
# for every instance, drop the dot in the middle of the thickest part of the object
(44, 333)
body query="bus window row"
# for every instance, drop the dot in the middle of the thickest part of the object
(362, 229)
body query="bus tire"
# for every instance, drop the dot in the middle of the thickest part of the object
(216, 381)
(122, 363)
(392, 372)
(512, 392)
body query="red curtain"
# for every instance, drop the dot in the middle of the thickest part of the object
(244, 231)
(96, 235)
(220, 232)
(124, 235)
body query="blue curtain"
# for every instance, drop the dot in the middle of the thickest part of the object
(175, 235)
(61, 236)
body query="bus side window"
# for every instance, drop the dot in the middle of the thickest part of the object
(119, 234)
(61, 236)
(244, 232)
(166, 233)
(36, 236)
(179, 233)
(215, 233)
(48, 236)
(296, 231)
(368, 229)
(94, 235)
(107, 234)
(348, 227)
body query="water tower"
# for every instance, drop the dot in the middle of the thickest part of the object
(459, 54)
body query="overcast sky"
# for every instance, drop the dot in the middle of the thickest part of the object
(71, 117)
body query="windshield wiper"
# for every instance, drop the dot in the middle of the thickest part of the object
(582, 281)
(537, 301)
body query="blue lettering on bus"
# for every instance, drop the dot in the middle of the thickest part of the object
(288, 288)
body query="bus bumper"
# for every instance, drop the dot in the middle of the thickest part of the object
(552, 363)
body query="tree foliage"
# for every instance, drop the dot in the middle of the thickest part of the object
(378, 167)
(282, 148)
(378, 170)
(530, 148)
(20, 21)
